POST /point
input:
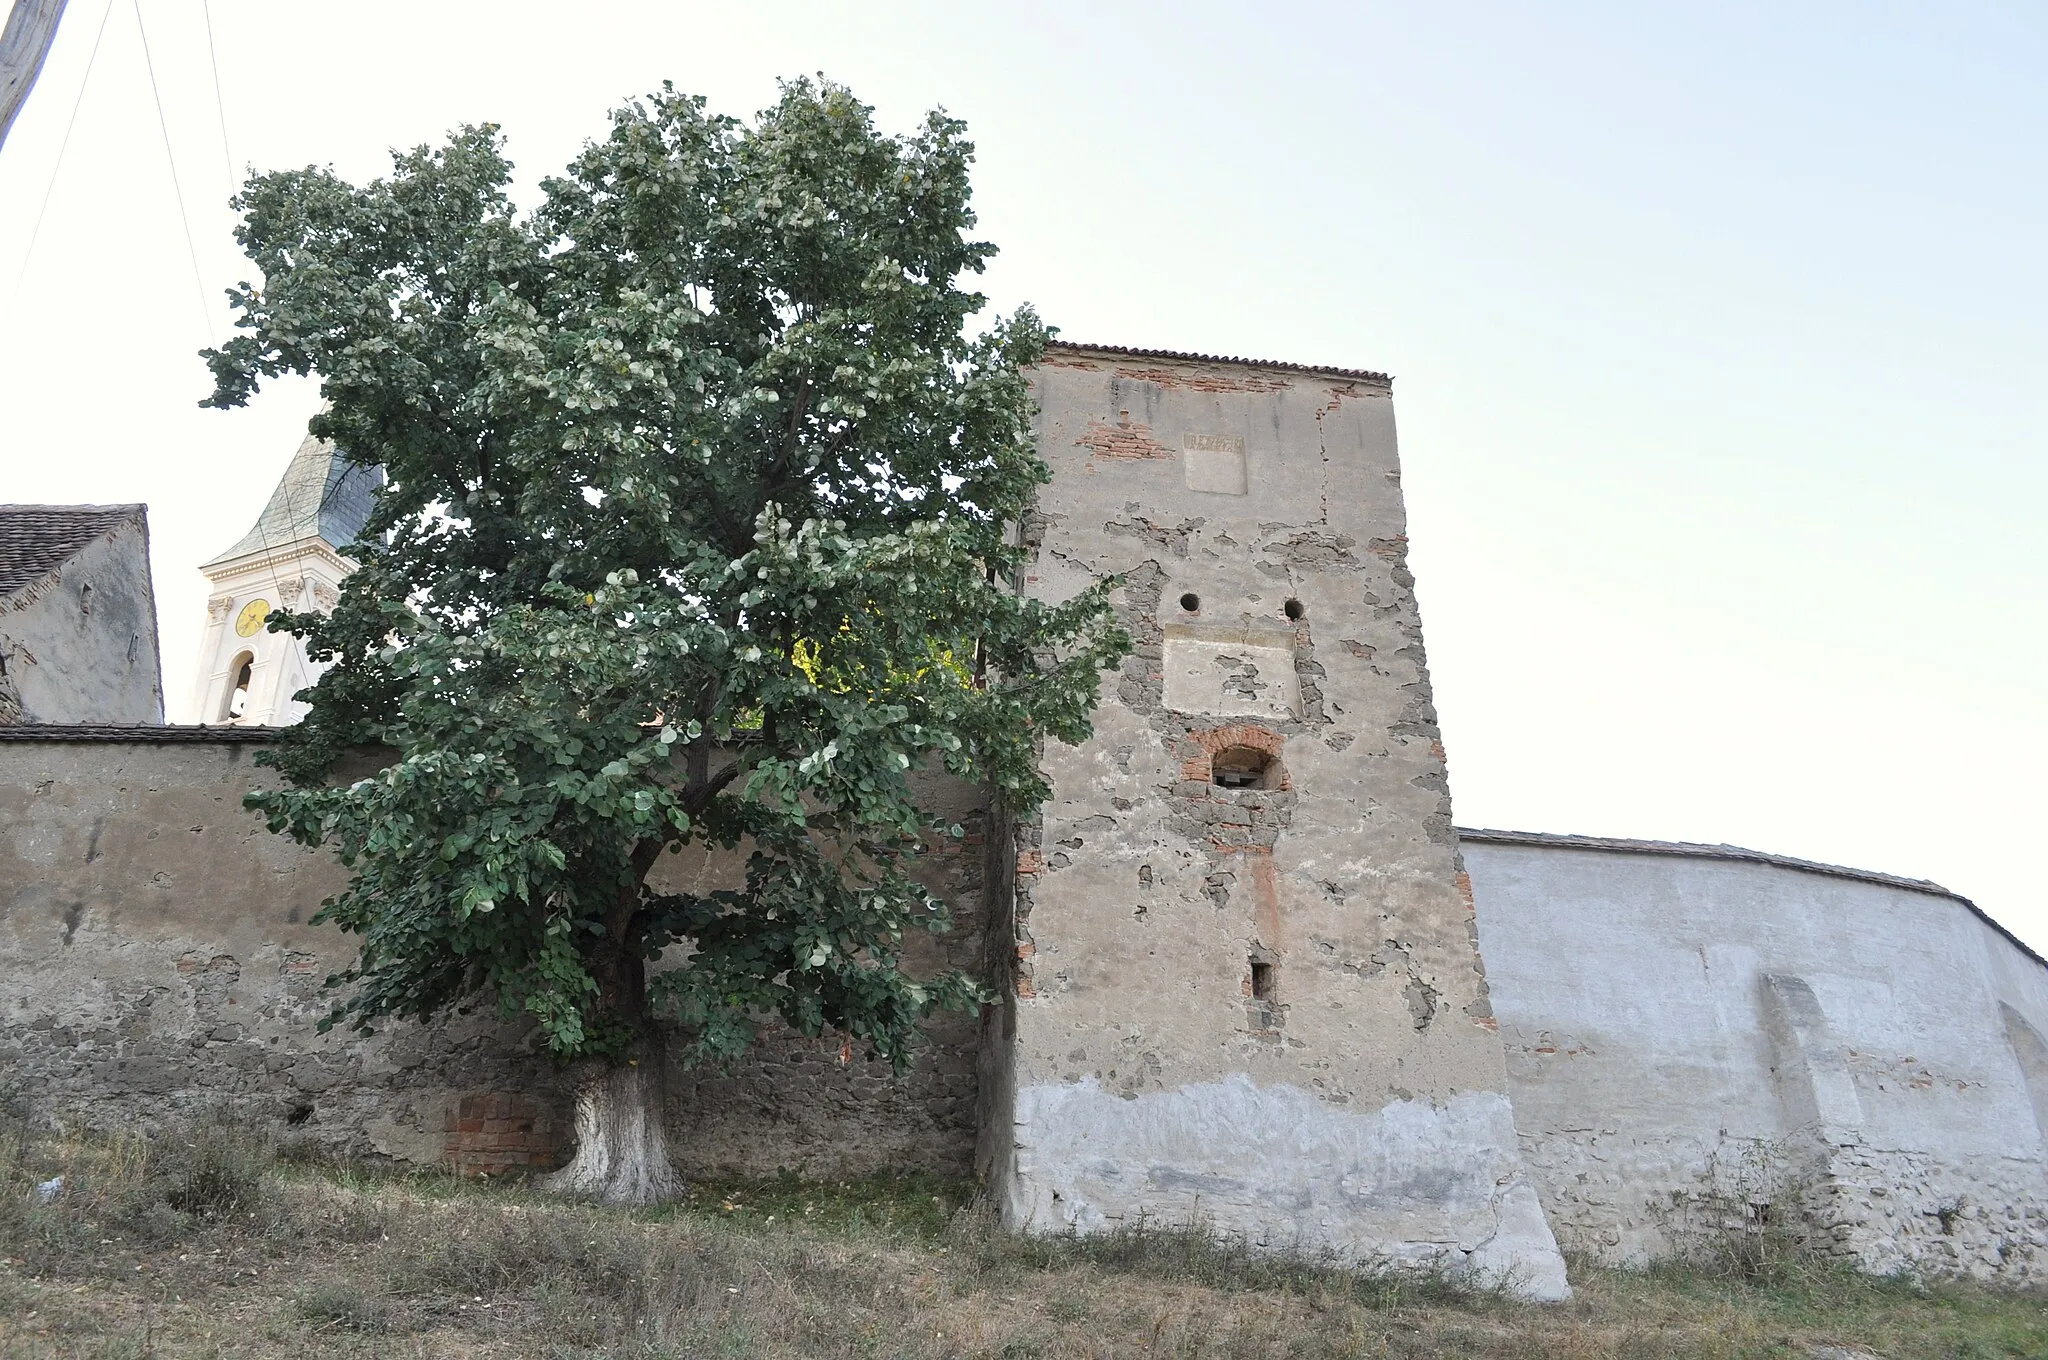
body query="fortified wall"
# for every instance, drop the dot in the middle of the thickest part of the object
(1237, 953)
(1697, 1033)
(1239, 968)
(156, 964)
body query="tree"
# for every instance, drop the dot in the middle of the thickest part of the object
(696, 527)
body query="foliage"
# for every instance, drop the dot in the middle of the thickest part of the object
(698, 493)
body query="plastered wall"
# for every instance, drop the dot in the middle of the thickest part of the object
(1257, 1005)
(80, 646)
(1685, 1028)
(156, 962)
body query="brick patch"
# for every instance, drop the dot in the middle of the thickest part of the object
(1210, 741)
(498, 1131)
(1125, 439)
(1204, 382)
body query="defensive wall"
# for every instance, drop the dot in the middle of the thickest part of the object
(1681, 1023)
(1238, 954)
(1697, 1031)
(156, 963)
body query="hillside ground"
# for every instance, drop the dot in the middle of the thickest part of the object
(207, 1246)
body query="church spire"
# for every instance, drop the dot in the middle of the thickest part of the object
(293, 558)
(321, 495)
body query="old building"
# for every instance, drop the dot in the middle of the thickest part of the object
(1237, 952)
(291, 558)
(77, 616)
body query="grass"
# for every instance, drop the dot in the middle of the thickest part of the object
(209, 1245)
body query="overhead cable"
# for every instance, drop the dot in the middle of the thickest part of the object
(191, 246)
(63, 146)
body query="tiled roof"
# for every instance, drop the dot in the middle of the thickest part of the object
(1736, 853)
(321, 495)
(36, 539)
(1128, 352)
(145, 735)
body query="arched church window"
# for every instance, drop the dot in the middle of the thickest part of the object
(239, 675)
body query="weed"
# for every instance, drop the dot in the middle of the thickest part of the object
(152, 1248)
(343, 1307)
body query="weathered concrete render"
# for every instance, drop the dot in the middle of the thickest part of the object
(1244, 981)
(1694, 1026)
(78, 640)
(156, 964)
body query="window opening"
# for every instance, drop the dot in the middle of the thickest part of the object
(1191, 602)
(1264, 980)
(1244, 767)
(240, 674)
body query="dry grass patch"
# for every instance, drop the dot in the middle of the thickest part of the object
(209, 1246)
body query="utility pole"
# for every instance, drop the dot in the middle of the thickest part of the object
(31, 28)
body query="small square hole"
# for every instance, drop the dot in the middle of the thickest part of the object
(1264, 980)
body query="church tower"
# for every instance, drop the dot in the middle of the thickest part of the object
(291, 558)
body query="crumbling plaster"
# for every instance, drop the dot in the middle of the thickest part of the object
(158, 963)
(1147, 1077)
(80, 645)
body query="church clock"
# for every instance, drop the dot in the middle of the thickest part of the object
(250, 620)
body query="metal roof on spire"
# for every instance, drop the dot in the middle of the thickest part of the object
(321, 495)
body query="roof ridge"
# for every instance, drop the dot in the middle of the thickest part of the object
(36, 540)
(145, 733)
(1192, 357)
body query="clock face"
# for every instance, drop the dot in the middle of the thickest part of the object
(250, 621)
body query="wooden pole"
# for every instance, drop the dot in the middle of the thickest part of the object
(31, 28)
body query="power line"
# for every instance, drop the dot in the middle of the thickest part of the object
(50, 190)
(219, 105)
(191, 246)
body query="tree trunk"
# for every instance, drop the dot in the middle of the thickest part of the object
(621, 1140)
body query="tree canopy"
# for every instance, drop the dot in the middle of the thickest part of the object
(698, 526)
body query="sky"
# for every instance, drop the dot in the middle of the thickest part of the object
(1717, 330)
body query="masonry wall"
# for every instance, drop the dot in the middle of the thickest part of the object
(1260, 1006)
(156, 964)
(80, 646)
(1854, 1053)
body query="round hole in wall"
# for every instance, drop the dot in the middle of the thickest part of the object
(1293, 610)
(1191, 602)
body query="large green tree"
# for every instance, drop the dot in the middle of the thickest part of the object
(698, 526)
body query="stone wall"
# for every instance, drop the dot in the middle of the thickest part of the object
(156, 963)
(1695, 1026)
(1245, 986)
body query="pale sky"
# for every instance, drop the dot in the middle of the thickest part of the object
(1717, 331)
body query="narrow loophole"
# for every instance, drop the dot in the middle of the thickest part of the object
(1263, 979)
(1191, 603)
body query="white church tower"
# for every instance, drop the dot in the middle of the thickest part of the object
(293, 559)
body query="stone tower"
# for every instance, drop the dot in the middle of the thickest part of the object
(291, 558)
(1244, 979)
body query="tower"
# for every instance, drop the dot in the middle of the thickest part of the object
(1244, 984)
(291, 558)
